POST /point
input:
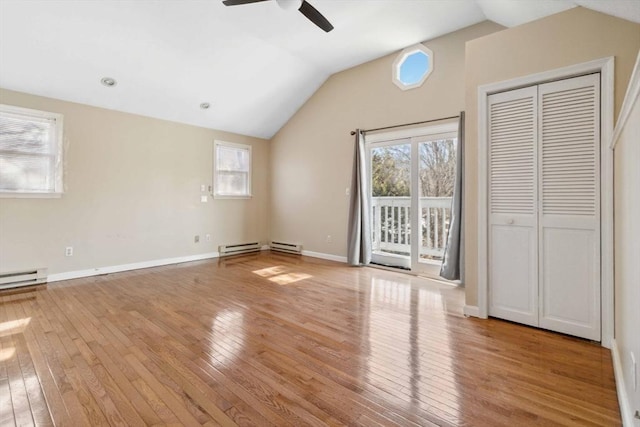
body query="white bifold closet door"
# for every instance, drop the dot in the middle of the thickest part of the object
(513, 222)
(544, 202)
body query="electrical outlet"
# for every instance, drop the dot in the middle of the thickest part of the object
(347, 191)
(634, 372)
(329, 238)
(196, 239)
(207, 237)
(203, 198)
(68, 251)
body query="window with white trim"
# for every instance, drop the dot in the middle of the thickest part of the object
(232, 170)
(30, 152)
(412, 67)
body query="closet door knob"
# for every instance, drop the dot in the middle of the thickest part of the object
(510, 222)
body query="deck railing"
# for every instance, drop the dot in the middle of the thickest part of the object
(392, 225)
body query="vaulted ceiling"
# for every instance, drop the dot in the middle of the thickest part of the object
(255, 64)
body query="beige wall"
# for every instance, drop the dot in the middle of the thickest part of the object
(627, 249)
(312, 155)
(572, 37)
(132, 194)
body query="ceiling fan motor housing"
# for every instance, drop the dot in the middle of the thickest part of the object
(289, 4)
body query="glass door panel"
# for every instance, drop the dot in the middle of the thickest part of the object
(436, 176)
(390, 172)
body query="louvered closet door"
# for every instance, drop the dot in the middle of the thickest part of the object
(569, 214)
(513, 270)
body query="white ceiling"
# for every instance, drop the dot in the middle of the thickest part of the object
(255, 64)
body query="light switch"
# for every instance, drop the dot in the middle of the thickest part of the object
(203, 187)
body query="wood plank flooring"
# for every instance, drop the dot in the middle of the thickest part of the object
(282, 340)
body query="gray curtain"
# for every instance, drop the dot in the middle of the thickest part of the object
(453, 253)
(359, 247)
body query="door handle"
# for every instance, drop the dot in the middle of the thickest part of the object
(511, 221)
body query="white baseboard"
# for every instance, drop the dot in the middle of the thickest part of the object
(126, 267)
(471, 310)
(166, 261)
(623, 398)
(325, 256)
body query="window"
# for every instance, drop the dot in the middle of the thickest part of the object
(30, 153)
(232, 170)
(412, 67)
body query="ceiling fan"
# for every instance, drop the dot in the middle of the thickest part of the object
(305, 8)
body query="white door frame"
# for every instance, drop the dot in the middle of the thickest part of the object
(605, 67)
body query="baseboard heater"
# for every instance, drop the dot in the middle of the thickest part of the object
(241, 248)
(24, 278)
(290, 248)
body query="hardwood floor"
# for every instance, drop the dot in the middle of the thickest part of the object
(281, 340)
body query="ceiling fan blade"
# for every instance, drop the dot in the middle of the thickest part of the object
(314, 16)
(239, 2)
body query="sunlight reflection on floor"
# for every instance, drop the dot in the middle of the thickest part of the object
(14, 326)
(419, 362)
(227, 337)
(270, 271)
(281, 275)
(286, 279)
(7, 353)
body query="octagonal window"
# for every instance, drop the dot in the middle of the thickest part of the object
(412, 67)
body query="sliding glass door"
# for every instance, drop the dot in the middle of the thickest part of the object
(411, 182)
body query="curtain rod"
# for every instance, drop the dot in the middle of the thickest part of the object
(407, 124)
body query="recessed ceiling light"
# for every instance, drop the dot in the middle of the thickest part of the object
(205, 105)
(108, 81)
